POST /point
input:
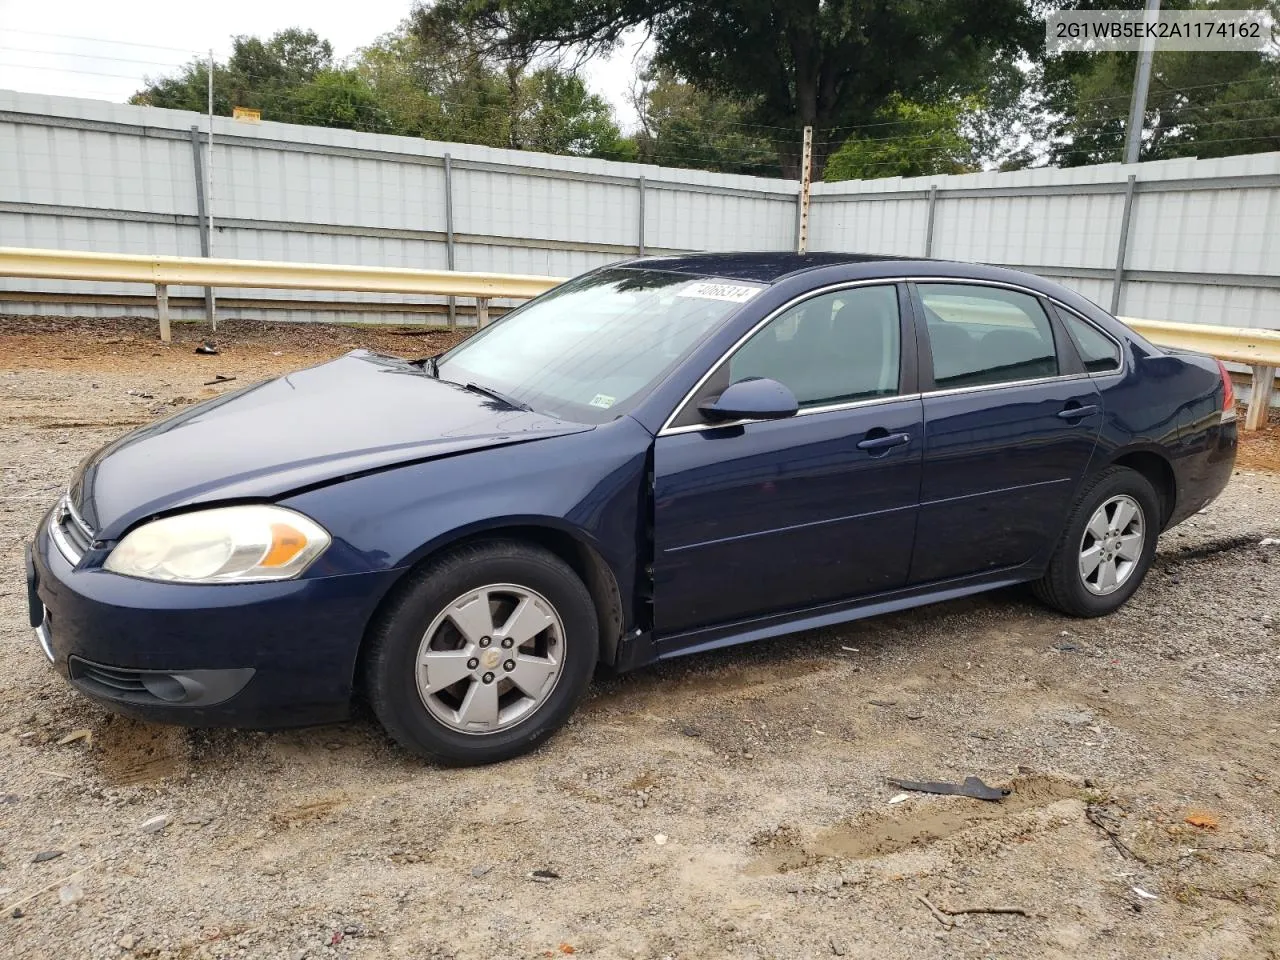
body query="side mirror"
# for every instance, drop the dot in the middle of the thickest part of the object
(756, 399)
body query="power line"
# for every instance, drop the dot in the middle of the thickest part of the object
(86, 73)
(126, 43)
(93, 56)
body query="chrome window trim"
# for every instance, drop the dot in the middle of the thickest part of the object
(668, 430)
(950, 391)
(807, 411)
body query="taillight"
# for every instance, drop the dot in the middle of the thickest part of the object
(1228, 393)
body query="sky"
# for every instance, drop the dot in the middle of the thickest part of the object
(87, 48)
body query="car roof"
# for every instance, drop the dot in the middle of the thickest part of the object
(755, 267)
(769, 268)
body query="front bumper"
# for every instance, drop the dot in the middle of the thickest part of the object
(244, 655)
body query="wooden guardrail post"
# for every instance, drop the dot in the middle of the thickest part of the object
(1264, 379)
(162, 310)
(482, 312)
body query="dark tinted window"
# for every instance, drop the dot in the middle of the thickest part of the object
(835, 348)
(1098, 351)
(986, 335)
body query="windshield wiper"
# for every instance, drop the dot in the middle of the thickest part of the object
(490, 392)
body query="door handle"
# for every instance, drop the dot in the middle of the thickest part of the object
(1076, 413)
(885, 442)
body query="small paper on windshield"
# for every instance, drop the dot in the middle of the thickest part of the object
(731, 292)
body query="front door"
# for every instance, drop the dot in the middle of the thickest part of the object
(769, 516)
(1011, 419)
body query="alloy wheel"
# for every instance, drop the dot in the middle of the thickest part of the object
(1112, 545)
(490, 658)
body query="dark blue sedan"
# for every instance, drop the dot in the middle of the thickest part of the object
(656, 458)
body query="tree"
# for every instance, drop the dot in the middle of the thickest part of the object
(913, 140)
(262, 74)
(683, 126)
(338, 98)
(832, 64)
(428, 84)
(1200, 103)
(437, 84)
(555, 114)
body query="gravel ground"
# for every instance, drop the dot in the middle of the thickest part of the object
(732, 804)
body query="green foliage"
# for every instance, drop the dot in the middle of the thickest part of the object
(1200, 103)
(290, 77)
(428, 84)
(683, 126)
(832, 64)
(339, 98)
(912, 140)
(892, 87)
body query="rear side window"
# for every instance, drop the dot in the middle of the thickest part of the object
(1098, 351)
(834, 348)
(986, 335)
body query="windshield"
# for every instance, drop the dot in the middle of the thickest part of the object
(592, 348)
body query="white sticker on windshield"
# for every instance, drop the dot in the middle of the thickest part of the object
(732, 292)
(604, 401)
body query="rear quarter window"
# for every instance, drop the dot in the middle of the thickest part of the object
(1098, 352)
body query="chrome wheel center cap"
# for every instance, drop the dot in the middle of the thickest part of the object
(490, 659)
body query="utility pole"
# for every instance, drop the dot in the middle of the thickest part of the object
(1141, 82)
(806, 172)
(208, 195)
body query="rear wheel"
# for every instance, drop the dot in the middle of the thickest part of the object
(1107, 546)
(482, 653)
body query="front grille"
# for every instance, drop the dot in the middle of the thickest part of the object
(72, 535)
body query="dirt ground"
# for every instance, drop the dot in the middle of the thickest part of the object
(728, 805)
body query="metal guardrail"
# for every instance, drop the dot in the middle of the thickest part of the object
(163, 272)
(1260, 349)
(197, 271)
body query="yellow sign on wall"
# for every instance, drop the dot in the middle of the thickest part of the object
(247, 114)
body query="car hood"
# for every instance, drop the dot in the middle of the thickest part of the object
(360, 413)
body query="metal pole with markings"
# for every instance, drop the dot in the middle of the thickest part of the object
(806, 171)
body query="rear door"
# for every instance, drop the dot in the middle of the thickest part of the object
(767, 516)
(1011, 421)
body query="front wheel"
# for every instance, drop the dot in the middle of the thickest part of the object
(1107, 546)
(482, 653)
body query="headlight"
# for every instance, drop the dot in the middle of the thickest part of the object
(226, 544)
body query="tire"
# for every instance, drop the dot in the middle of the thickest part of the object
(1064, 585)
(438, 615)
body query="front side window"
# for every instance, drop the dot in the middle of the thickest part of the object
(986, 335)
(834, 348)
(594, 347)
(1098, 351)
